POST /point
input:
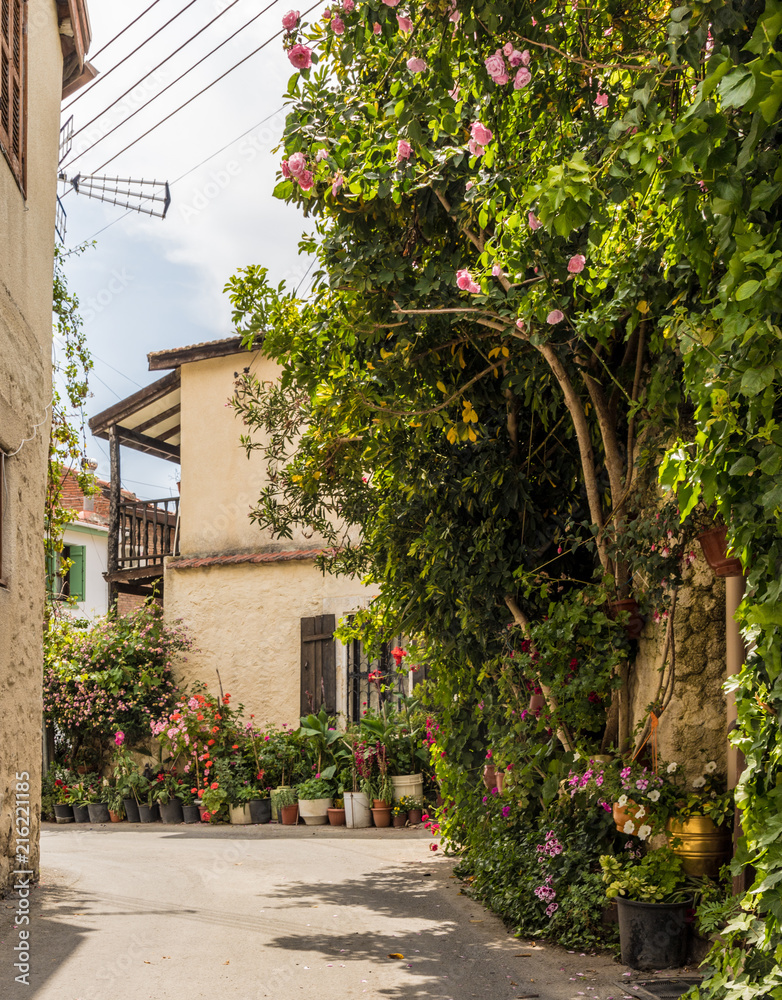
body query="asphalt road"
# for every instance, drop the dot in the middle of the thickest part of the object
(177, 913)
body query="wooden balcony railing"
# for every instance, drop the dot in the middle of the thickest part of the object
(148, 531)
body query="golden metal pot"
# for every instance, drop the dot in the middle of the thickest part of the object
(704, 848)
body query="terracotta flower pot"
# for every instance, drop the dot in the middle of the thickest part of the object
(489, 776)
(336, 817)
(382, 817)
(500, 782)
(635, 624)
(536, 704)
(627, 814)
(380, 804)
(116, 817)
(400, 820)
(290, 814)
(715, 547)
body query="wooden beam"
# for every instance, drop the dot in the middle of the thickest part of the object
(158, 419)
(150, 445)
(160, 360)
(101, 422)
(114, 511)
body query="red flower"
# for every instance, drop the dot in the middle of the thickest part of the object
(235, 746)
(226, 698)
(59, 783)
(210, 742)
(433, 847)
(398, 654)
(215, 729)
(194, 791)
(215, 784)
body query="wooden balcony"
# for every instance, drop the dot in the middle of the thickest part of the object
(148, 532)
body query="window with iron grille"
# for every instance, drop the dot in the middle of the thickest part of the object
(13, 86)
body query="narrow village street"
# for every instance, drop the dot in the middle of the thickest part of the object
(155, 913)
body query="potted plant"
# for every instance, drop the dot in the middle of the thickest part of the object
(260, 803)
(315, 799)
(654, 898)
(77, 798)
(399, 810)
(115, 803)
(289, 807)
(129, 780)
(190, 811)
(337, 812)
(63, 809)
(148, 810)
(381, 806)
(357, 802)
(415, 810)
(700, 829)
(213, 802)
(239, 805)
(168, 801)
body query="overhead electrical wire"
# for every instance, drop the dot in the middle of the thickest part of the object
(155, 68)
(127, 26)
(86, 90)
(180, 77)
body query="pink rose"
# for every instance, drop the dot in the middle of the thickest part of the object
(497, 272)
(601, 101)
(416, 65)
(454, 16)
(465, 281)
(337, 25)
(495, 65)
(522, 78)
(525, 57)
(337, 183)
(507, 48)
(501, 79)
(576, 263)
(533, 221)
(403, 150)
(348, 6)
(306, 180)
(475, 148)
(454, 94)
(391, 3)
(516, 58)
(469, 186)
(296, 164)
(300, 56)
(321, 155)
(290, 20)
(286, 170)
(555, 316)
(405, 24)
(520, 324)
(376, 28)
(481, 134)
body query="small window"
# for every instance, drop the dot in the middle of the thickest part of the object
(69, 585)
(13, 87)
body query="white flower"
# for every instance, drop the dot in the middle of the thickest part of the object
(654, 795)
(699, 783)
(622, 801)
(629, 827)
(644, 832)
(640, 812)
(672, 767)
(711, 767)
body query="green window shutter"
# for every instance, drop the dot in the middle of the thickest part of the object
(51, 573)
(77, 589)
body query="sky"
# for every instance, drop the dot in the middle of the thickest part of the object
(150, 284)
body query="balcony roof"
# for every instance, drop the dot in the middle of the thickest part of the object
(148, 421)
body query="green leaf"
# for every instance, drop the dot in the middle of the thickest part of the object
(755, 380)
(736, 88)
(744, 465)
(747, 290)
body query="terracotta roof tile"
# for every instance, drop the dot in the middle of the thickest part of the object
(247, 557)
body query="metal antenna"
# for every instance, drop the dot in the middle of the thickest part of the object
(124, 192)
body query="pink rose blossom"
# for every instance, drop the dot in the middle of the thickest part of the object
(525, 57)
(321, 155)
(507, 48)
(391, 3)
(520, 324)
(286, 170)
(337, 183)
(555, 316)
(348, 6)
(576, 263)
(405, 24)
(516, 58)
(290, 20)
(454, 16)
(376, 28)
(337, 25)
(495, 65)
(533, 221)
(300, 56)
(465, 281)
(601, 101)
(469, 186)
(305, 180)
(497, 271)
(296, 164)
(481, 134)
(522, 78)
(475, 148)
(416, 65)
(403, 150)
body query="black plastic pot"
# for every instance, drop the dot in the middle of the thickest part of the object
(171, 811)
(148, 814)
(261, 810)
(99, 812)
(653, 935)
(63, 813)
(191, 814)
(81, 813)
(131, 810)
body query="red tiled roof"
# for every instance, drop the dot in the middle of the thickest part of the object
(248, 557)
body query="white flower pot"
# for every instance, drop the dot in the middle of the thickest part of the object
(408, 784)
(357, 812)
(240, 815)
(314, 812)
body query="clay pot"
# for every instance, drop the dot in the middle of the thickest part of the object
(625, 813)
(536, 704)
(489, 776)
(715, 547)
(415, 816)
(382, 817)
(400, 820)
(336, 817)
(290, 814)
(116, 817)
(635, 625)
(380, 804)
(500, 782)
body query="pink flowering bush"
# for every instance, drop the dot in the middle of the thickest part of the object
(300, 56)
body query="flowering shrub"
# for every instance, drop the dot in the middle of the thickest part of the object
(114, 674)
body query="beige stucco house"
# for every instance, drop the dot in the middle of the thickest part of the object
(260, 610)
(42, 55)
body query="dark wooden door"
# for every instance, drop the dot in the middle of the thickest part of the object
(318, 665)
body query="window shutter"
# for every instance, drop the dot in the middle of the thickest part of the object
(51, 574)
(76, 587)
(318, 665)
(13, 86)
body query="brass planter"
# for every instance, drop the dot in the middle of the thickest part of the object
(704, 847)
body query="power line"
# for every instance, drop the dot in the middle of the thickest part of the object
(156, 68)
(175, 81)
(197, 166)
(119, 33)
(108, 73)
